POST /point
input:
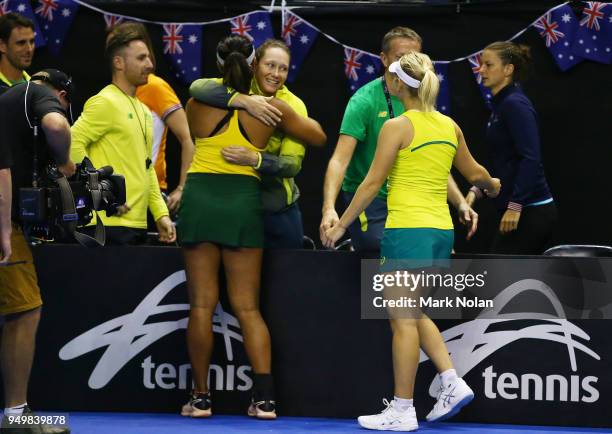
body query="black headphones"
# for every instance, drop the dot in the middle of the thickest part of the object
(59, 83)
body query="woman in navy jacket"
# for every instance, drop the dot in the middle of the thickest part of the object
(528, 213)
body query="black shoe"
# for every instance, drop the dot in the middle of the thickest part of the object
(262, 409)
(199, 405)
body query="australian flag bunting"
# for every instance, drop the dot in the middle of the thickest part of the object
(183, 49)
(558, 28)
(443, 102)
(23, 7)
(299, 36)
(55, 18)
(360, 67)
(256, 26)
(476, 64)
(112, 20)
(593, 39)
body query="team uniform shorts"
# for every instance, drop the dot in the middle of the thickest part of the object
(415, 248)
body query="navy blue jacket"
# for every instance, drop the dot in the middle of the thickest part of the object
(514, 144)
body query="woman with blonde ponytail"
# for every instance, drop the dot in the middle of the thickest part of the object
(414, 155)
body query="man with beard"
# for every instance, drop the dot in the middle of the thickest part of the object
(16, 49)
(116, 129)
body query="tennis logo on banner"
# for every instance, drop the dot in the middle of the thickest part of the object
(127, 336)
(472, 342)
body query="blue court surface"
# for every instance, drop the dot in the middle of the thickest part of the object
(140, 423)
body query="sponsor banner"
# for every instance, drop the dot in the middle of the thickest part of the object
(509, 288)
(112, 338)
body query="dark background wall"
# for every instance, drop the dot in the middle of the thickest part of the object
(574, 107)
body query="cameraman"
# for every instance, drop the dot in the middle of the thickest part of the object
(43, 101)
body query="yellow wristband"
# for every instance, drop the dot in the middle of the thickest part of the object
(259, 158)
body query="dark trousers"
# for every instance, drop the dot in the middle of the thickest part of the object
(366, 231)
(120, 235)
(284, 229)
(533, 235)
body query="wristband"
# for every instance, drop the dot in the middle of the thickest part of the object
(258, 165)
(515, 206)
(477, 191)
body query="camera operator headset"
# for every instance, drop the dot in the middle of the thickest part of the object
(34, 200)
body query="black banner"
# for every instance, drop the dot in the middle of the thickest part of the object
(112, 339)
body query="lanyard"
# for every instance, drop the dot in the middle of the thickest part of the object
(388, 97)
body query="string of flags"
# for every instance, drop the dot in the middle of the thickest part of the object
(570, 39)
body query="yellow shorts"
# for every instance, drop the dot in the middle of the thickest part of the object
(19, 291)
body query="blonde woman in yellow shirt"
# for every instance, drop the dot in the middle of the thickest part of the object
(415, 153)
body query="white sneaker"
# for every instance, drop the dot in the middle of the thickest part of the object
(450, 400)
(391, 419)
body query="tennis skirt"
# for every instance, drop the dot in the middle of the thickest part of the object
(221, 209)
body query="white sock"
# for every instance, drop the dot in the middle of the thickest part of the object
(15, 411)
(448, 377)
(402, 404)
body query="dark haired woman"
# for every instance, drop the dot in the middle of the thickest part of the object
(528, 213)
(220, 221)
(282, 159)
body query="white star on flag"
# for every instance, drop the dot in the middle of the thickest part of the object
(261, 25)
(370, 69)
(179, 61)
(566, 18)
(66, 12)
(440, 77)
(46, 27)
(194, 69)
(193, 39)
(304, 39)
(57, 41)
(21, 8)
(610, 19)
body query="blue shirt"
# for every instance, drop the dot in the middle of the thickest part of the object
(514, 141)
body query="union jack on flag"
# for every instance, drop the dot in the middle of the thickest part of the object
(183, 50)
(476, 64)
(112, 20)
(172, 38)
(548, 29)
(360, 67)
(594, 36)
(299, 35)
(289, 27)
(23, 7)
(592, 13)
(256, 26)
(55, 18)
(46, 9)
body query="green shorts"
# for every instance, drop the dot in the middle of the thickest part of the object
(221, 209)
(414, 248)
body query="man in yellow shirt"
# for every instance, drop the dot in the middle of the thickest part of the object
(116, 129)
